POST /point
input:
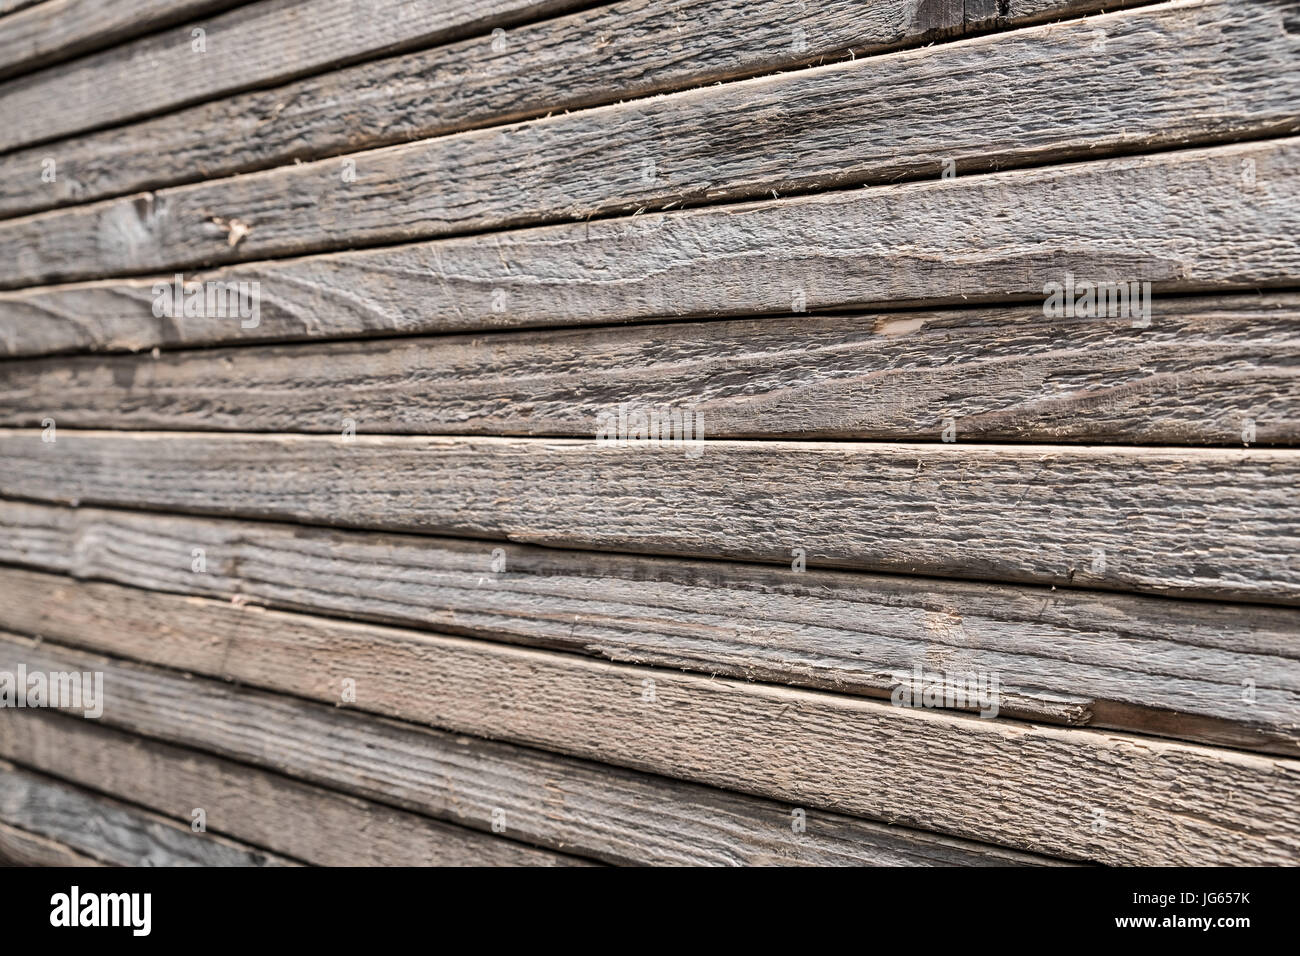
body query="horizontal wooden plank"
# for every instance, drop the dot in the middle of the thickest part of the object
(1184, 221)
(1186, 522)
(1030, 787)
(613, 814)
(12, 6)
(597, 56)
(1217, 673)
(59, 29)
(990, 13)
(253, 45)
(108, 830)
(20, 848)
(1199, 371)
(307, 822)
(1203, 76)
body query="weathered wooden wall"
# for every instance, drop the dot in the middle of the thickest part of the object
(366, 586)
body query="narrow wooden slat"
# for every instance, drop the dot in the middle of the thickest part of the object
(1185, 221)
(12, 6)
(1201, 371)
(1223, 674)
(58, 29)
(108, 830)
(983, 14)
(253, 45)
(1036, 788)
(1191, 522)
(615, 815)
(1190, 72)
(597, 56)
(308, 823)
(20, 848)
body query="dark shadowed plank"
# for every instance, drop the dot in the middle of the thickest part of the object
(308, 823)
(108, 830)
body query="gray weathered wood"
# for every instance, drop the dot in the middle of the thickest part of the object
(12, 6)
(20, 848)
(1184, 221)
(1204, 371)
(253, 45)
(983, 14)
(306, 822)
(597, 56)
(1026, 786)
(1191, 72)
(1174, 668)
(252, 801)
(59, 29)
(1185, 522)
(615, 815)
(108, 830)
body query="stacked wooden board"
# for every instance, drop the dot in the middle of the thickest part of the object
(335, 341)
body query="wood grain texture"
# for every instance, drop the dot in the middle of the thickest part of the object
(253, 45)
(1189, 74)
(987, 13)
(609, 813)
(308, 823)
(20, 848)
(59, 29)
(1025, 786)
(1178, 669)
(1203, 371)
(1185, 221)
(1184, 522)
(108, 830)
(623, 50)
